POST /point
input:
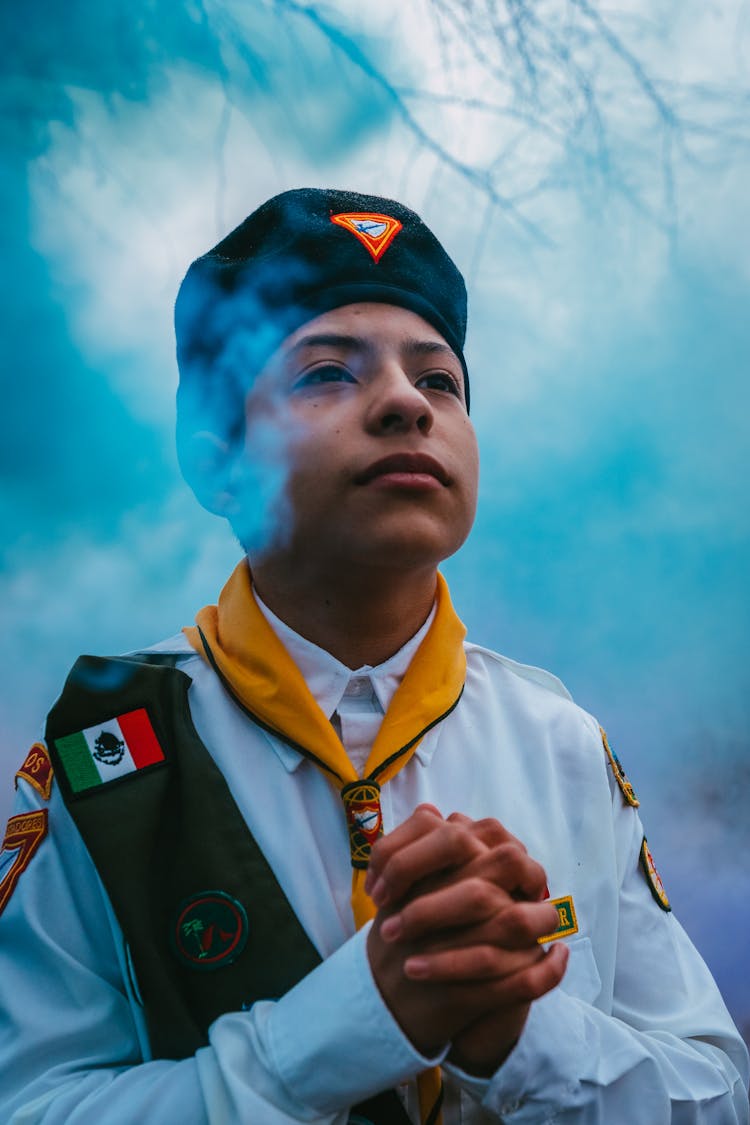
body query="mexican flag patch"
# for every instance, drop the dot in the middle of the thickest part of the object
(109, 750)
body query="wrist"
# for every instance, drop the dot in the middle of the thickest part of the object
(476, 1066)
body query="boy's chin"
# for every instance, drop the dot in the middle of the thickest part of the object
(400, 553)
(346, 547)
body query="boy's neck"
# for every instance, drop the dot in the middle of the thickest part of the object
(362, 619)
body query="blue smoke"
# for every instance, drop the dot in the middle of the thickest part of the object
(612, 544)
(86, 457)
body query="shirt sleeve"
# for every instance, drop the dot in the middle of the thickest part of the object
(665, 1051)
(73, 1047)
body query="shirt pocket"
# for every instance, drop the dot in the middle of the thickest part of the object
(582, 975)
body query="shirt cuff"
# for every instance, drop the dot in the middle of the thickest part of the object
(543, 1069)
(471, 1083)
(332, 1039)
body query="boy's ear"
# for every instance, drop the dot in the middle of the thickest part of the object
(207, 463)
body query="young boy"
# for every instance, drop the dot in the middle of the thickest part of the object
(316, 858)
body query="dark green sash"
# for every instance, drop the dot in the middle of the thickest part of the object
(166, 833)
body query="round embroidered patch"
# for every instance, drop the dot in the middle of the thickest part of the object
(210, 930)
(653, 877)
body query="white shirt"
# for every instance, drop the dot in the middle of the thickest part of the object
(636, 1034)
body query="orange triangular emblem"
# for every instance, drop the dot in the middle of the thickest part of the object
(375, 232)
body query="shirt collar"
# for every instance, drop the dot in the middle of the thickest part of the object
(327, 678)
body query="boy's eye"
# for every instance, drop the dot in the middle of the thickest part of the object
(439, 381)
(324, 373)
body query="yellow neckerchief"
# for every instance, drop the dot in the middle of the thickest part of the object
(247, 655)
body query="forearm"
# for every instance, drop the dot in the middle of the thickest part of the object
(294, 1060)
(73, 1046)
(329, 1043)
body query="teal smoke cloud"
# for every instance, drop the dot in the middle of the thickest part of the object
(609, 372)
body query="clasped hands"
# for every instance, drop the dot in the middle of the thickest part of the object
(453, 948)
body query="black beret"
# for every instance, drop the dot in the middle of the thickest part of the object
(302, 253)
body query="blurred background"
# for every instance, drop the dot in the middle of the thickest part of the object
(587, 165)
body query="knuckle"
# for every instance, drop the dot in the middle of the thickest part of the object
(486, 960)
(397, 866)
(463, 841)
(526, 985)
(507, 858)
(480, 896)
(491, 828)
(458, 832)
(414, 916)
(520, 924)
(452, 842)
(497, 929)
(450, 965)
(497, 833)
(426, 813)
(556, 972)
(536, 872)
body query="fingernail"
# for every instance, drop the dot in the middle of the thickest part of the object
(392, 928)
(416, 967)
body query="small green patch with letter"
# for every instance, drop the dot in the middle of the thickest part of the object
(568, 923)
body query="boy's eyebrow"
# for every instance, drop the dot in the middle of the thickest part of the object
(412, 346)
(428, 347)
(331, 340)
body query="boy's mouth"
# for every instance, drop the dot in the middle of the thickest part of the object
(405, 468)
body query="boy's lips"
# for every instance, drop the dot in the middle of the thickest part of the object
(406, 465)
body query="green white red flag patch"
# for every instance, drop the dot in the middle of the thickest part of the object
(109, 750)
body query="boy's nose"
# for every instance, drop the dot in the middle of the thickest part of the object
(397, 406)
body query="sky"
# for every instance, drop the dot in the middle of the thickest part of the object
(588, 172)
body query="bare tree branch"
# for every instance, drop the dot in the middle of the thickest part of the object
(477, 177)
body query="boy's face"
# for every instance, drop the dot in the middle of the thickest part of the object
(367, 402)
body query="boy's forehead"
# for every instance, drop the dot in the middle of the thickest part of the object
(366, 326)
